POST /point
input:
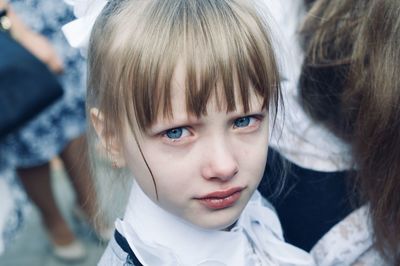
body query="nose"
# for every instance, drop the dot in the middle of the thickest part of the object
(219, 161)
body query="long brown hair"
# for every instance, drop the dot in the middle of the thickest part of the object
(350, 82)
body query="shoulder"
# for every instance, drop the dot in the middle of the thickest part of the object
(350, 242)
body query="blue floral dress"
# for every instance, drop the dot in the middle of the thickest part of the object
(47, 134)
(14, 206)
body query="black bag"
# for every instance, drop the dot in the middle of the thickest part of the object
(26, 85)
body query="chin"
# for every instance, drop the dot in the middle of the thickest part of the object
(223, 221)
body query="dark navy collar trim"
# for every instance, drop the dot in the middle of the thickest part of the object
(121, 241)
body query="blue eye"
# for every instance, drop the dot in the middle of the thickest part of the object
(174, 133)
(177, 135)
(242, 121)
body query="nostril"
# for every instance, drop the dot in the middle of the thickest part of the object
(236, 171)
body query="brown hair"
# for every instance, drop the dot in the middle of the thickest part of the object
(351, 83)
(135, 47)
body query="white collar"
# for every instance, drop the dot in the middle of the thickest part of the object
(160, 238)
(336, 248)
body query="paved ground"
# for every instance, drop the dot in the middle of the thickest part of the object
(32, 247)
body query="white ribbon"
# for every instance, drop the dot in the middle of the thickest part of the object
(78, 31)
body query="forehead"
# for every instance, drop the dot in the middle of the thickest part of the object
(216, 101)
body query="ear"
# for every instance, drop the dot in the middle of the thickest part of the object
(110, 142)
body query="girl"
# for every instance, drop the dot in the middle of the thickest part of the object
(179, 93)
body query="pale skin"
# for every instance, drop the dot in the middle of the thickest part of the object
(191, 157)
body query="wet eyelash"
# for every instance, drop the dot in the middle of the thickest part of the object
(257, 117)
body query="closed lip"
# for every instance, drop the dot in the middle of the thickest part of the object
(221, 194)
(221, 199)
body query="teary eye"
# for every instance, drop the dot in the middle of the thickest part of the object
(242, 121)
(176, 133)
(247, 124)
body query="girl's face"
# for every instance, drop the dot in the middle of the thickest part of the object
(206, 168)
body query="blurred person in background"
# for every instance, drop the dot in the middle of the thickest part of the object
(341, 135)
(58, 131)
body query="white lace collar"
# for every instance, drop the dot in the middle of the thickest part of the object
(348, 242)
(160, 238)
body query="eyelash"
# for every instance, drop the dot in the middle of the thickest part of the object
(253, 124)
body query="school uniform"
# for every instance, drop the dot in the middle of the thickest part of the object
(148, 235)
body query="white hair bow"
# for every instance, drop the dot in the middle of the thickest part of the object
(78, 31)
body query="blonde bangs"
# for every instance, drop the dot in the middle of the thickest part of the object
(228, 54)
(224, 46)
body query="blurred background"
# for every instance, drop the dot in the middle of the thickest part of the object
(31, 244)
(51, 206)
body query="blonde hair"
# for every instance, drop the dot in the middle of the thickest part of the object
(136, 44)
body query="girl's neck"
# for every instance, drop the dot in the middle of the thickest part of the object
(158, 237)
(156, 227)
(141, 212)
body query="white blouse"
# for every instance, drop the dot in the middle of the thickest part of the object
(350, 242)
(160, 238)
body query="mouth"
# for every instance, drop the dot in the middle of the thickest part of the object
(221, 199)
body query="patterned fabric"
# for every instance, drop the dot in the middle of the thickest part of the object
(12, 208)
(45, 136)
(350, 242)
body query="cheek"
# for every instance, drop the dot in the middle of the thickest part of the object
(253, 155)
(137, 166)
(253, 144)
(173, 173)
(170, 169)
(255, 162)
